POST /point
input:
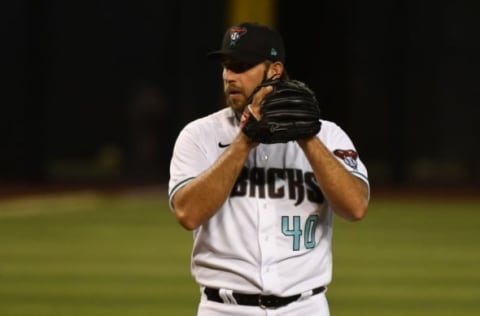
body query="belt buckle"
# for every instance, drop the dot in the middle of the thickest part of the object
(260, 303)
(266, 302)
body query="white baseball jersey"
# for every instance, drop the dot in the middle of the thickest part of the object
(273, 234)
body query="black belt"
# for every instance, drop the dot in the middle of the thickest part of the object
(264, 301)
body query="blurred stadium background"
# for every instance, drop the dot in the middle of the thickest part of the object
(95, 93)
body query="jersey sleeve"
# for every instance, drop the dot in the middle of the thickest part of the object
(189, 159)
(342, 147)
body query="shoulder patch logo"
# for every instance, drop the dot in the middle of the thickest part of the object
(348, 156)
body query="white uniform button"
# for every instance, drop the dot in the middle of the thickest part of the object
(265, 157)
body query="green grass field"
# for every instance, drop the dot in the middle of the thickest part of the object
(102, 254)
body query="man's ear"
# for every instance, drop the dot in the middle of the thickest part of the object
(276, 70)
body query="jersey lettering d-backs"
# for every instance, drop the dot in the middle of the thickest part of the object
(273, 234)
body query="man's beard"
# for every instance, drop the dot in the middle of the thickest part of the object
(237, 107)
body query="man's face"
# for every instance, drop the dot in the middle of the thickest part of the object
(240, 80)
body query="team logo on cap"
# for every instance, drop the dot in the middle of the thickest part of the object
(348, 156)
(235, 33)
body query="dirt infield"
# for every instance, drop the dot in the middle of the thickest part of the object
(20, 190)
(433, 192)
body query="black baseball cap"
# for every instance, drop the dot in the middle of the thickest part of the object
(251, 43)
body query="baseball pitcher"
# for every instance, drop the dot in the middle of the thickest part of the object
(259, 182)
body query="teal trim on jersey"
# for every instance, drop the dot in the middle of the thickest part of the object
(361, 175)
(179, 185)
